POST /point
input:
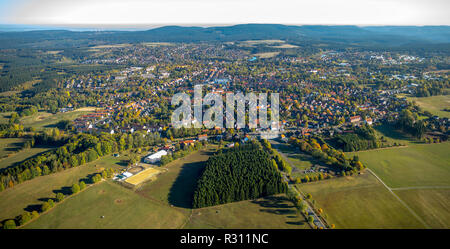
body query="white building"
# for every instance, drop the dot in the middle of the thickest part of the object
(127, 174)
(156, 157)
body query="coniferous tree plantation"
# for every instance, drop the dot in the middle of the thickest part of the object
(236, 174)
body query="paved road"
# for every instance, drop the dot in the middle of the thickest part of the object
(309, 210)
(319, 223)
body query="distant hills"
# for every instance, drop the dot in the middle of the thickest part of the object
(346, 35)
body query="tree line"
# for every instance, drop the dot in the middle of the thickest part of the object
(78, 150)
(328, 155)
(27, 216)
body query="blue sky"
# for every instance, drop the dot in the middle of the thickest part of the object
(139, 12)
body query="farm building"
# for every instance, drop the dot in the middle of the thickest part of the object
(156, 157)
(122, 176)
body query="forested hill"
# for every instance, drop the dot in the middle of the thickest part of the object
(364, 36)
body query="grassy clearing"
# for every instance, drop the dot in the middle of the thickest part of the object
(8, 93)
(434, 104)
(394, 136)
(30, 194)
(360, 202)
(4, 117)
(54, 52)
(9, 146)
(120, 207)
(258, 42)
(266, 55)
(286, 46)
(156, 44)
(111, 46)
(176, 186)
(42, 120)
(415, 165)
(431, 204)
(270, 212)
(299, 160)
(20, 156)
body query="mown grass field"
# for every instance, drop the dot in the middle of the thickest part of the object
(120, 207)
(30, 194)
(176, 186)
(359, 202)
(42, 120)
(430, 204)
(270, 212)
(166, 203)
(412, 166)
(434, 104)
(154, 205)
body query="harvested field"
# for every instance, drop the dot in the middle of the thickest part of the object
(143, 176)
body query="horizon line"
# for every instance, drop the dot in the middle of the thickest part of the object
(150, 26)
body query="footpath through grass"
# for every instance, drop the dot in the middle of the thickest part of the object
(359, 202)
(412, 166)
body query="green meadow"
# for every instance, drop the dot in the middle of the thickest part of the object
(359, 202)
(411, 166)
(31, 194)
(42, 120)
(434, 104)
(109, 205)
(166, 203)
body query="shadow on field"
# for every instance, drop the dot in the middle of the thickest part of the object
(298, 223)
(280, 205)
(33, 207)
(183, 188)
(393, 133)
(14, 146)
(275, 205)
(67, 190)
(17, 149)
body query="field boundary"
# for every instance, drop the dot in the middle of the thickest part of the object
(60, 202)
(420, 187)
(400, 200)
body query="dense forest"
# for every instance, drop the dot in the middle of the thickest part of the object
(236, 174)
